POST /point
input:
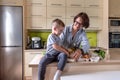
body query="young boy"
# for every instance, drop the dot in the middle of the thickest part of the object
(55, 51)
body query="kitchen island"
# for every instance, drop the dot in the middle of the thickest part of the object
(74, 68)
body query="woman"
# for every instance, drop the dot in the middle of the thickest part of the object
(74, 36)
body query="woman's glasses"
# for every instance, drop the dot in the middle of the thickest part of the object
(77, 23)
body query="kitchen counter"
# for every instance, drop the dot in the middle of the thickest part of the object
(35, 50)
(74, 68)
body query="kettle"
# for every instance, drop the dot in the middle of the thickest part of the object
(36, 43)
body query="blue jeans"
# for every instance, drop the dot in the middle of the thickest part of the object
(47, 59)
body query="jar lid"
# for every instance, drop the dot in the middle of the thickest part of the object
(35, 38)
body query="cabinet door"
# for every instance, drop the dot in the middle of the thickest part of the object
(38, 11)
(39, 2)
(96, 23)
(94, 12)
(53, 12)
(11, 2)
(69, 22)
(93, 3)
(114, 8)
(38, 22)
(72, 12)
(55, 3)
(75, 3)
(28, 56)
(49, 22)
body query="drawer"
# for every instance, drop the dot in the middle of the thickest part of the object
(96, 22)
(56, 3)
(38, 22)
(75, 3)
(69, 22)
(49, 22)
(93, 3)
(39, 2)
(94, 12)
(55, 12)
(40, 11)
(72, 12)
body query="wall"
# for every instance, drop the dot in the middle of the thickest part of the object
(92, 37)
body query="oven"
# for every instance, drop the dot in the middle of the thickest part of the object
(114, 39)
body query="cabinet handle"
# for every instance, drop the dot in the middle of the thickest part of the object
(37, 27)
(94, 16)
(56, 16)
(38, 3)
(94, 5)
(56, 4)
(37, 15)
(72, 16)
(76, 5)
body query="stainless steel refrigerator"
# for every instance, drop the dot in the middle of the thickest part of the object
(11, 47)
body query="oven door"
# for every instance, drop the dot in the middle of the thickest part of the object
(114, 40)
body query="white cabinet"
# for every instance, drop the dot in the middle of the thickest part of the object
(11, 2)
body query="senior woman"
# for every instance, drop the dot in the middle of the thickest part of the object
(74, 35)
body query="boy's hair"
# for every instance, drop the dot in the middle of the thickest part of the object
(57, 23)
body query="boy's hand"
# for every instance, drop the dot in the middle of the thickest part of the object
(67, 53)
(77, 54)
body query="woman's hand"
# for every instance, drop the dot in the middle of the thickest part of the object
(77, 54)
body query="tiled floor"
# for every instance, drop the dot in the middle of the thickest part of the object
(114, 53)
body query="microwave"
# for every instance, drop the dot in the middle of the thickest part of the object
(114, 22)
(114, 25)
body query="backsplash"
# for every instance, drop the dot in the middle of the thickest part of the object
(92, 37)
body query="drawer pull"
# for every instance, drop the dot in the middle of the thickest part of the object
(76, 5)
(56, 4)
(94, 5)
(56, 16)
(94, 16)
